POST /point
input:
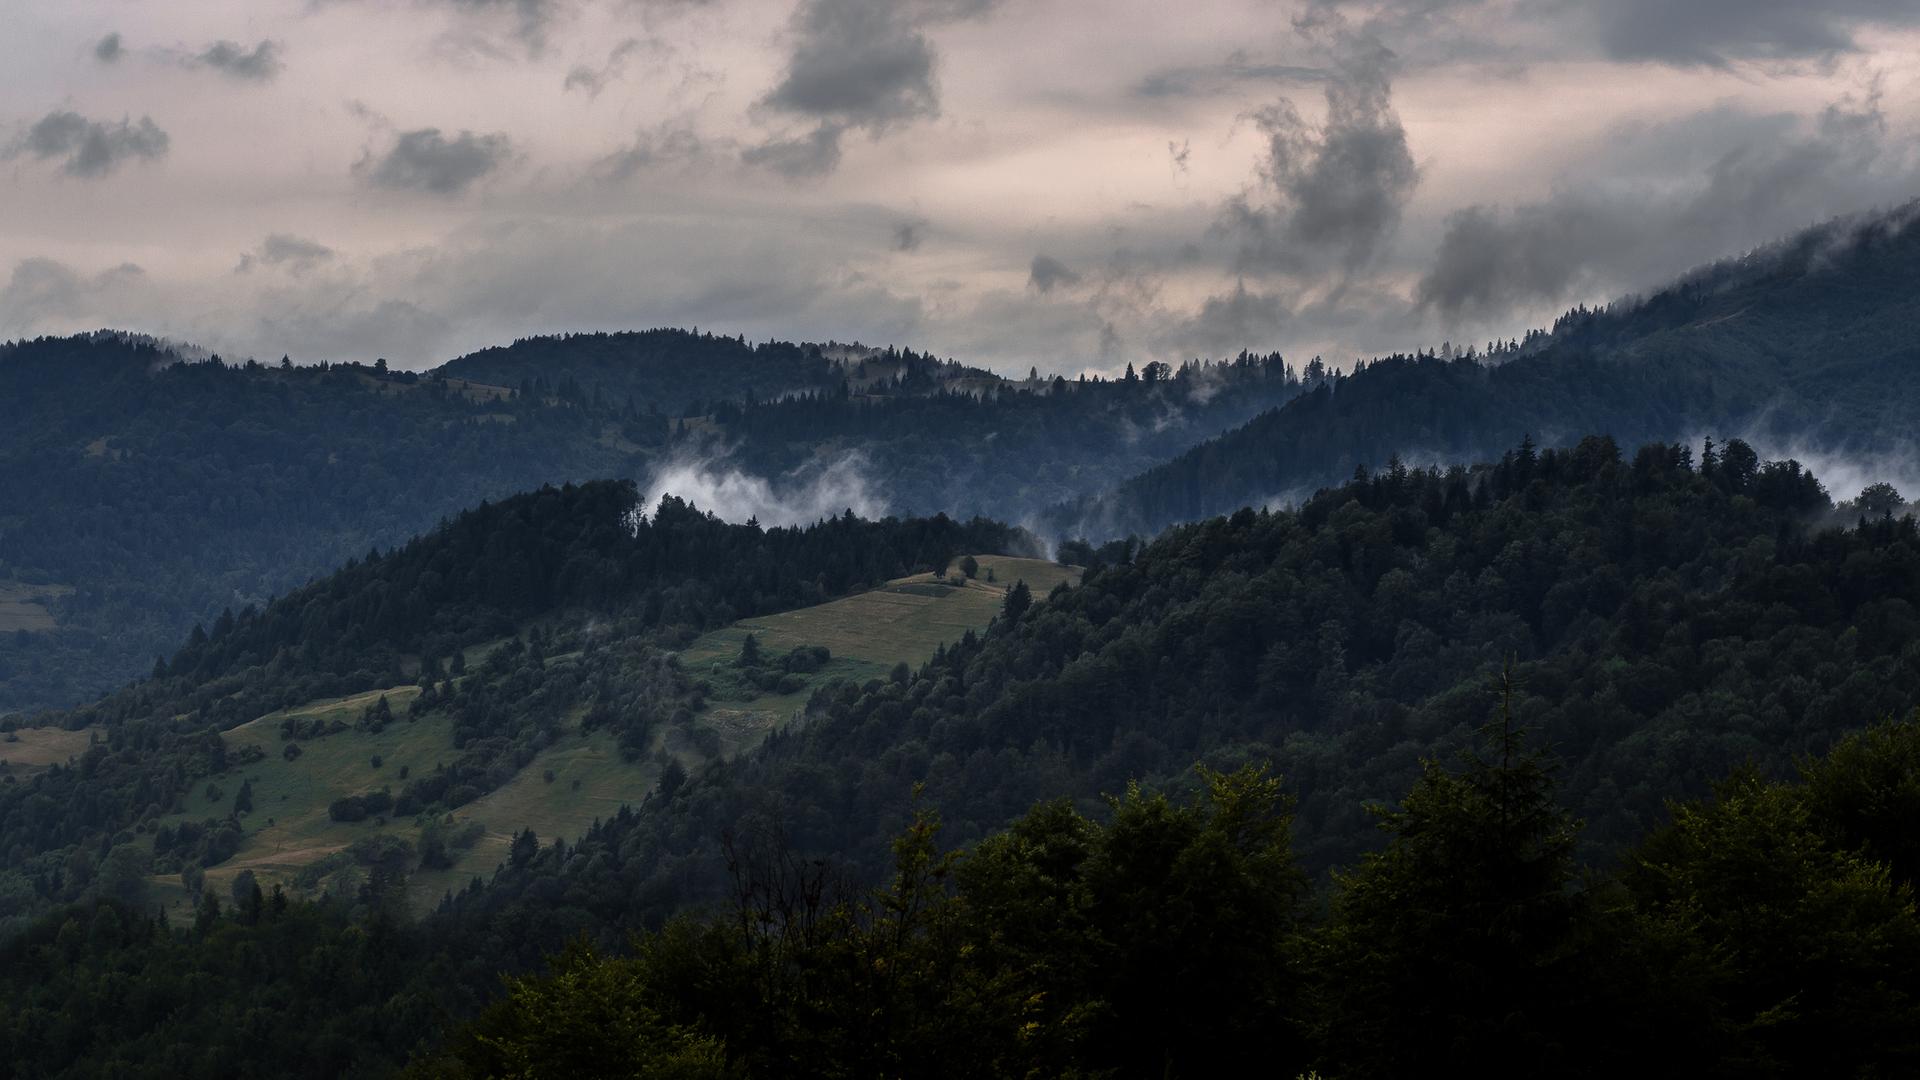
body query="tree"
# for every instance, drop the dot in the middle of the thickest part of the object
(1880, 500)
(673, 776)
(969, 565)
(589, 1017)
(1457, 949)
(243, 799)
(1019, 599)
(749, 652)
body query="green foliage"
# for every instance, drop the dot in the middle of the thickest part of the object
(587, 1018)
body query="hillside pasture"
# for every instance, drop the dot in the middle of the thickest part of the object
(25, 607)
(26, 751)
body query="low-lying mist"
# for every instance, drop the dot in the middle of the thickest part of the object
(820, 489)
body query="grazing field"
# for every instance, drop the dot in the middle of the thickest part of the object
(26, 751)
(903, 620)
(582, 777)
(24, 607)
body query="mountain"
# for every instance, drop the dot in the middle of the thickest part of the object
(1654, 619)
(1804, 347)
(142, 492)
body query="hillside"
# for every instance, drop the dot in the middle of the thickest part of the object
(535, 636)
(1661, 618)
(141, 493)
(292, 836)
(1803, 347)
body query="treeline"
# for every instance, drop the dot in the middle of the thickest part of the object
(1807, 343)
(1006, 449)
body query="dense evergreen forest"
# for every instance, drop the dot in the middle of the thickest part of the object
(1658, 623)
(1805, 344)
(143, 493)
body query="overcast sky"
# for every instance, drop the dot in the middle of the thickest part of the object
(1070, 184)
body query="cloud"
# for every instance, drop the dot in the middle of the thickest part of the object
(1762, 176)
(1048, 273)
(258, 64)
(426, 160)
(43, 291)
(593, 80)
(1337, 189)
(91, 148)
(1718, 33)
(668, 143)
(1179, 155)
(283, 249)
(816, 153)
(108, 49)
(1237, 320)
(809, 494)
(1201, 80)
(909, 235)
(856, 65)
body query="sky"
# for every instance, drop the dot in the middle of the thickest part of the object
(1063, 184)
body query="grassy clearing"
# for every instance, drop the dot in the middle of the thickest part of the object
(904, 620)
(24, 607)
(26, 751)
(289, 828)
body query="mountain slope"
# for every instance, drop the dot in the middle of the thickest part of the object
(141, 494)
(1807, 345)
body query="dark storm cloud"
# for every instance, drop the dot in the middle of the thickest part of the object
(1719, 32)
(1338, 189)
(108, 49)
(1049, 273)
(856, 65)
(258, 64)
(296, 254)
(91, 148)
(426, 160)
(1769, 176)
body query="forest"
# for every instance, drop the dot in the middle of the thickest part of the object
(148, 491)
(1590, 719)
(1797, 347)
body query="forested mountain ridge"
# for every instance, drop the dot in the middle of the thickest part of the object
(1664, 619)
(1806, 345)
(141, 493)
